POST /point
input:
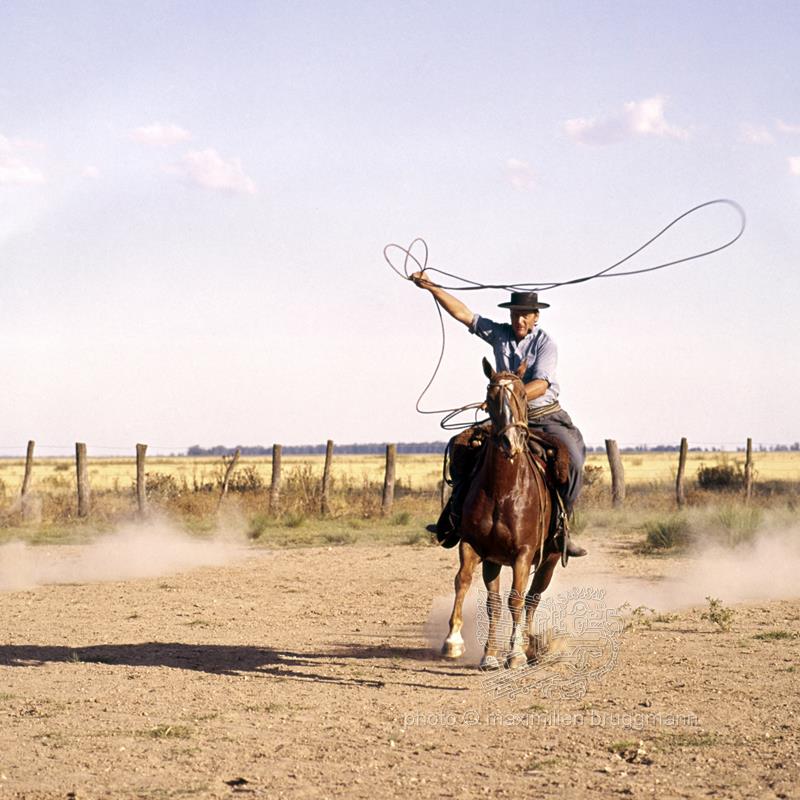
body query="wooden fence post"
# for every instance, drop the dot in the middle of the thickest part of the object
(26, 481)
(748, 471)
(617, 473)
(141, 479)
(275, 486)
(326, 478)
(84, 492)
(388, 479)
(680, 494)
(227, 478)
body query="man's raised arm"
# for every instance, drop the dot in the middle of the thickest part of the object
(455, 308)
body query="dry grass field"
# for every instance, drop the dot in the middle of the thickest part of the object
(415, 472)
(186, 491)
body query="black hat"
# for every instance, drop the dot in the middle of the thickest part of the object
(524, 301)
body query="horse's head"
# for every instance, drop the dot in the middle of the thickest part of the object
(507, 406)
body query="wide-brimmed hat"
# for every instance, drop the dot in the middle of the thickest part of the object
(524, 301)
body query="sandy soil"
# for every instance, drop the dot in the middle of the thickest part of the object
(311, 673)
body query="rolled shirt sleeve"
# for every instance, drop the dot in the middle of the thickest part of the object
(542, 367)
(484, 328)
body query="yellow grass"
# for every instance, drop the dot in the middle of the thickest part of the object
(644, 468)
(419, 472)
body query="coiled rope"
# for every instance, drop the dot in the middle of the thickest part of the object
(420, 264)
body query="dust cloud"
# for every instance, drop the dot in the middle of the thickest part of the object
(767, 568)
(136, 550)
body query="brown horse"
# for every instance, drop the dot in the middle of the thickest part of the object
(504, 522)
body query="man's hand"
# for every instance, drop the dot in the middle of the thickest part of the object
(421, 280)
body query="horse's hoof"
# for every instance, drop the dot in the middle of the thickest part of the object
(517, 661)
(453, 648)
(537, 648)
(490, 662)
(533, 656)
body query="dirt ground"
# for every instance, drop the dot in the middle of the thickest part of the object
(314, 673)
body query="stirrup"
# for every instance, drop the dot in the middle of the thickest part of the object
(568, 547)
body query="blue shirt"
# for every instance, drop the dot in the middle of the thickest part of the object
(537, 349)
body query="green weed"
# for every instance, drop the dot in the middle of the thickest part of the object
(671, 532)
(717, 614)
(168, 732)
(777, 635)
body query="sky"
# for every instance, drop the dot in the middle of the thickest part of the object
(195, 198)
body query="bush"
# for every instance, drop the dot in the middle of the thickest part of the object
(664, 534)
(717, 613)
(592, 475)
(721, 477)
(246, 480)
(258, 525)
(739, 523)
(161, 486)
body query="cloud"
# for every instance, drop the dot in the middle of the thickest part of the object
(520, 173)
(208, 169)
(794, 165)
(160, 135)
(90, 171)
(787, 127)
(756, 134)
(14, 169)
(642, 118)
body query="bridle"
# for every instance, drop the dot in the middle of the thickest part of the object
(518, 415)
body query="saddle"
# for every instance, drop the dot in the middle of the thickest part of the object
(465, 448)
(463, 453)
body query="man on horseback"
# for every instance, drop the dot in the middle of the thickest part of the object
(520, 342)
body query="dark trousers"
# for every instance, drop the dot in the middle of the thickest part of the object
(560, 425)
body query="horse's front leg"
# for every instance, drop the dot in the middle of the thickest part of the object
(516, 604)
(454, 643)
(541, 580)
(494, 610)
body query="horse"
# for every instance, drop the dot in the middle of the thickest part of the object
(505, 521)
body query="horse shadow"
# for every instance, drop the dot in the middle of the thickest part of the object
(237, 660)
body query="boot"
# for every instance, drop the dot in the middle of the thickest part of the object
(562, 529)
(446, 528)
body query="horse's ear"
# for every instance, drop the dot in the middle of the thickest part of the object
(487, 368)
(521, 370)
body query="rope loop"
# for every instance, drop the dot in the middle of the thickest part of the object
(416, 256)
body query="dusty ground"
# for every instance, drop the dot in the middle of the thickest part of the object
(307, 673)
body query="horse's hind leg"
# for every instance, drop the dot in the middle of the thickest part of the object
(541, 580)
(516, 603)
(494, 610)
(454, 643)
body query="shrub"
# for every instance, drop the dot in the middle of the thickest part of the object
(592, 475)
(246, 480)
(258, 524)
(720, 477)
(739, 523)
(718, 614)
(663, 534)
(161, 486)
